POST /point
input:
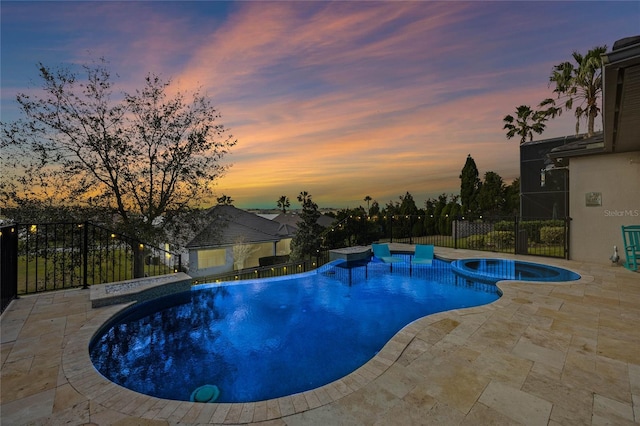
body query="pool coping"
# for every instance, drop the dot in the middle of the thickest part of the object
(139, 289)
(84, 378)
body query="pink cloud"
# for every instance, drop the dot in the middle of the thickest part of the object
(348, 98)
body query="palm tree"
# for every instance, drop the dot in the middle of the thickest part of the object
(304, 197)
(225, 200)
(580, 83)
(526, 122)
(368, 199)
(283, 203)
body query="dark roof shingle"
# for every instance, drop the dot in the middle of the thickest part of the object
(229, 226)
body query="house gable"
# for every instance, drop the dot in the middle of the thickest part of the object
(228, 226)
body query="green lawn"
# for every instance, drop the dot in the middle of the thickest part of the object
(66, 271)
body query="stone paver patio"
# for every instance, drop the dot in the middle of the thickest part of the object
(543, 354)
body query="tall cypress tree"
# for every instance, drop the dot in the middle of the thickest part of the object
(469, 186)
(306, 240)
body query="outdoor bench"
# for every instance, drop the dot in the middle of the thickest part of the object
(631, 241)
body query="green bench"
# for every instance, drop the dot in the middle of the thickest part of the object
(631, 240)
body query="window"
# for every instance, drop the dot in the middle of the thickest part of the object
(211, 257)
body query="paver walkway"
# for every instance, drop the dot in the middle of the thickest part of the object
(544, 354)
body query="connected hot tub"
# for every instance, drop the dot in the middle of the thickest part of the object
(494, 270)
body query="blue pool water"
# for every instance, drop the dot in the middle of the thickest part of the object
(493, 270)
(263, 339)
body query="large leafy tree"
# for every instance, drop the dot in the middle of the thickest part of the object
(434, 209)
(512, 198)
(407, 222)
(578, 84)
(526, 122)
(491, 197)
(450, 212)
(145, 156)
(374, 209)
(140, 155)
(351, 227)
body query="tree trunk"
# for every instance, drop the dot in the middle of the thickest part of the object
(590, 130)
(138, 260)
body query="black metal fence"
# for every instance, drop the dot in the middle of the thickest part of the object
(50, 256)
(543, 237)
(278, 270)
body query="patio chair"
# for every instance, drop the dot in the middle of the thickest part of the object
(631, 240)
(423, 255)
(381, 252)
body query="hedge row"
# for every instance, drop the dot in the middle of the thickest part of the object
(532, 227)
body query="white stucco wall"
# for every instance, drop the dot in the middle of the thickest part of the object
(235, 258)
(197, 271)
(596, 229)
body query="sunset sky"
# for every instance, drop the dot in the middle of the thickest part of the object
(339, 99)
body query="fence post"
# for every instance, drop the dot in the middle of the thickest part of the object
(522, 238)
(410, 229)
(567, 229)
(455, 234)
(516, 234)
(85, 255)
(8, 264)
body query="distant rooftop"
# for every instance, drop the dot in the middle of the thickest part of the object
(230, 226)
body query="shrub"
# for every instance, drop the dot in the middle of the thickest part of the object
(552, 235)
(504, 225)
(475, 242)
(533, 227)
(500, 239)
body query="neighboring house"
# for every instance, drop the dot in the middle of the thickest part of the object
(235, 239)
(604, 171)
(291, 220)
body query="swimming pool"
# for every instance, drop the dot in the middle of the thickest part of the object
(263, 339)
(493, 270)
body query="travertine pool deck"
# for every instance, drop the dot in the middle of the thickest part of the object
(543, 354)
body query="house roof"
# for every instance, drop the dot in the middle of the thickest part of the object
(561, 140)
(621, 106)
(621, 89)
(291, 219)
(586, 146)
(230, 226)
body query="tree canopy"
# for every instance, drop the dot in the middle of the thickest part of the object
(578, 83)
(306, 240)
(526, 122)
(491, 197)
(283, 203)
(225, 200)
(469, 185)
(143, 155)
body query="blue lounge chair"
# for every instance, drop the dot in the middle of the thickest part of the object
(381, 251)
(423, 255)
(631, 240)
